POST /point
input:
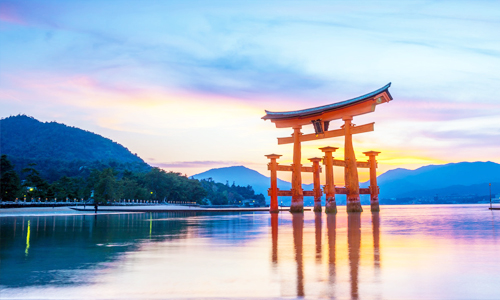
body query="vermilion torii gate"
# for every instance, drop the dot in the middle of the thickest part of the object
(320, 118)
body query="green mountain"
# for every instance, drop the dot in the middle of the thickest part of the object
(59, 150)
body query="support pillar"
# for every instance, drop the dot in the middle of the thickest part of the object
(331, 204)
(351, 170)
(297, 204)
(317, 185)
(273, 191)
(374, 190)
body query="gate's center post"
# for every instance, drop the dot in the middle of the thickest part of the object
(351, 170)
(297, 204)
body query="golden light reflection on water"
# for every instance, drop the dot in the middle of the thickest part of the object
(331, 221)
(298, 228)
(28, 239)
(353, 244)
(401, 252)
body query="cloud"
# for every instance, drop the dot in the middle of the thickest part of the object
(202, 75)
(29, 13)
(197, 164)
(65, 87)
(9, 14)
(438, 110)
(246, 76)
(189, 61)
(416, 43)
(467, 138)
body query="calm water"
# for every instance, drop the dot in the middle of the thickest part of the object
(403, 252)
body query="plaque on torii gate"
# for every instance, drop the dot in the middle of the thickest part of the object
(320, 118)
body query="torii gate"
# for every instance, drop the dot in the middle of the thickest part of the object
(320, 118)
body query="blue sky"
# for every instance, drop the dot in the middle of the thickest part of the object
(185, 83)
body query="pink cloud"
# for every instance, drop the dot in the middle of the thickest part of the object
(197, 164)
(435, 110)
(63, 88)
(9, 14)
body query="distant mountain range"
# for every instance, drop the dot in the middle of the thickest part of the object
(60, 150)
(244, 176)
(465, 178)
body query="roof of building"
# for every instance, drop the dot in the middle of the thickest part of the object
(328, 107)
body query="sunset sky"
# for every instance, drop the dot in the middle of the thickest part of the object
(184, 84)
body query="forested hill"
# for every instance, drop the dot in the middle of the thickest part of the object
(59, 150)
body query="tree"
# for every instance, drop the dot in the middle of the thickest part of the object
(107, 187)
(223, 194)
(50, 193)
(109, 184)
(195, 191)
(34, 184)
(68, 187)
(10, 185)
(260, 200)
(160, 184)
(130, 189)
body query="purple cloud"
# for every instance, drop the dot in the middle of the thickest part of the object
(197, 164)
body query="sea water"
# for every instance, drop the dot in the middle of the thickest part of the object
(403, 252)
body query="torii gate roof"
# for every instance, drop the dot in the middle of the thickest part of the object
(356, 106)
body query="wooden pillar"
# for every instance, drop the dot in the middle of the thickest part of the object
(317, 185)
(351, 170)
(273, 191)
(297, 204)
(331, 204)
(374, 190)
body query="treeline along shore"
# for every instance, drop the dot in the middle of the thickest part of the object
(108, 186)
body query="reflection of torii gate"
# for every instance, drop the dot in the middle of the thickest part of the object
(320, 118)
